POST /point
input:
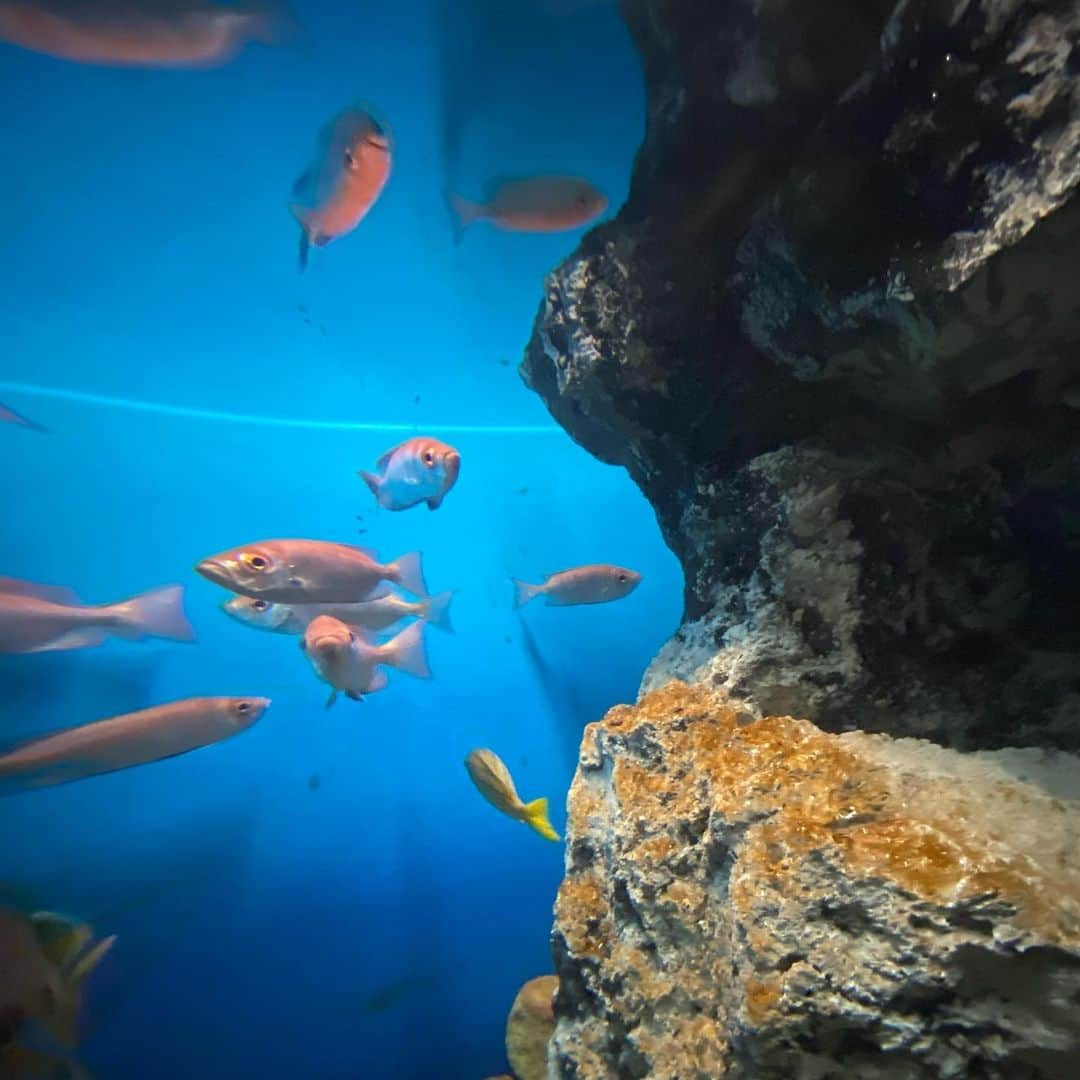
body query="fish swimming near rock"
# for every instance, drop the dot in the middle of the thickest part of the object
(493, 780)
(138, 33)
(309, 572)
(45, 960)
(44, 618)
(10, 416)
(418, 470)
(122, 742)
(538, 204)
(350, 168)
(595, 584)
(345, 660)
(379, 613)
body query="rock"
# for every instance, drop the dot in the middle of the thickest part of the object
(834, 336)
(760, 899)
(529, 1027)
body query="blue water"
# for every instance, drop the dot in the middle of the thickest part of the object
(326, 895)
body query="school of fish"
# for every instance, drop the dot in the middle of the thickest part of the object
(356, 618)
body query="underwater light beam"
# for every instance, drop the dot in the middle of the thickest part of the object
(187, 413)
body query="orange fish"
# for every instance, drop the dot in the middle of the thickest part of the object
(596, 584)
(47, 618)
(538, 204)
(419, 470)
(343, 657)
(309, 572)
(10, 416)
(122, 742)
(136, 33)
(349, 171)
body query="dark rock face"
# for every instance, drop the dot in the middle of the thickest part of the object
(834, 335)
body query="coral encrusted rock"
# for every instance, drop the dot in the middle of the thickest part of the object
(834, 336)
(756, 898)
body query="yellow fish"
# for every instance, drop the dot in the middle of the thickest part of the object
(493, 780)
(45, 960)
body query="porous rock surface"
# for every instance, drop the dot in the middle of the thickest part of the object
(756, 898)
(834, 335)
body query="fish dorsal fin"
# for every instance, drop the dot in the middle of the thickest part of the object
(60, 938)
(302, 184)
(84, 966)
(385, 459)
(55, 594)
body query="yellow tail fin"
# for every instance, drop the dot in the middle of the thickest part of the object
(536, 817)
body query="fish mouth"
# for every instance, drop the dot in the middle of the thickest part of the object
(453, 467)
(215, 570)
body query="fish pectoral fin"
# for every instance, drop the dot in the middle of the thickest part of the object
(352, 695)
(331, 699)
(436, 501)
(73, 639)
(303, 183)
(90, 960)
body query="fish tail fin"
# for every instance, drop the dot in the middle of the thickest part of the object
(437, 612)
(406, 652)
(63, 1025)
(301, 215)
(374, 484)
(536, 817)
(523, 592)
(407, 572)
(158, 613)
(463, 214)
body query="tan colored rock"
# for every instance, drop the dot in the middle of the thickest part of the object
(761, 899)
(529, 1027)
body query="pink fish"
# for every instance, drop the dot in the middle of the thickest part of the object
(10, 416)
(421, 469)
(343, 657)
(309, 572)
(539, 204)
(44, 618)
(596, 584)
(349, 171)
(136, 33)
(123, 742)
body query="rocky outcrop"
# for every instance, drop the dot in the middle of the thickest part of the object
(757, 898)
(834, 335)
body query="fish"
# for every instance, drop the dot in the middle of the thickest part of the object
(44, 618)
(493, 780)
(418, 470)
(538, 204)
(343, 658)
(10, 416)
(595, 584)
(137, 33)
(379, 613)
(45, 960)
(122, 742)
(349, 170)
(309, 572)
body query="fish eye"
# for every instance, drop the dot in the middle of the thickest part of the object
(350, 161)
(429, 458)
(243, 706)
(258, 563)
(260, 605)
(622, 577)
